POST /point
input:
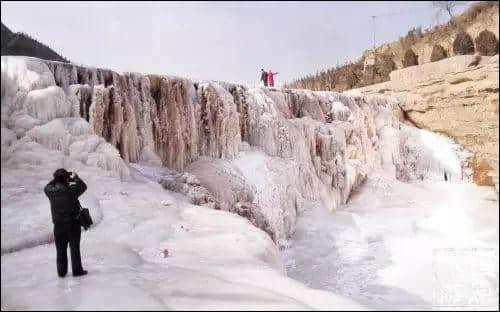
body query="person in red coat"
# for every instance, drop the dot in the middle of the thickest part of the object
(270, 78)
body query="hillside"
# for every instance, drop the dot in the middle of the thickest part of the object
(479, 22)
(23, 44)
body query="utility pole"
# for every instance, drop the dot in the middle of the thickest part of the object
(373, 19)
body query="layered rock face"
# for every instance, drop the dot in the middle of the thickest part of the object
(444, 35)
(264, 152)
(416, 47)
(457, 97)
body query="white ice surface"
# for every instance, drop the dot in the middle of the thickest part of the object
(217, 260)
(376, 251)
(380, 248)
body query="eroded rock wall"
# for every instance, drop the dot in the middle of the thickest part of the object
(458, 97)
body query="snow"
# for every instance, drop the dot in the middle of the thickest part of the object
(275, 186)
(339, 111)
(47, 104)
(209, 265)
(379, 250)
(430, 155)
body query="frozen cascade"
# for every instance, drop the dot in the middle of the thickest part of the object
(269, 155)
(325, 143)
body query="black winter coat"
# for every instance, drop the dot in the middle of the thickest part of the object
(263, 76)
(63, 198)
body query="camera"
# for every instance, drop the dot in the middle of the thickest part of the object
(70, 178)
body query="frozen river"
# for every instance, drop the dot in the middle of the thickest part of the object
(401, 245)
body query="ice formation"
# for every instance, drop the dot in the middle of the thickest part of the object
(317, 145)
(264, 154)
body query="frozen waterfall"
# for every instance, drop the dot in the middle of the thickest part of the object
(224, 176)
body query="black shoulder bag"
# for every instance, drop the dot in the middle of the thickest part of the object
(84, 217)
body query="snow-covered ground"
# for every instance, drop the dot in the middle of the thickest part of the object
(217, 260)
(403, 245)
(380, 251)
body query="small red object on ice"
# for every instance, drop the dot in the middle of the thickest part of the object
(165, 253)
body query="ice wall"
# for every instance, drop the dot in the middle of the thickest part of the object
(37, 114)
(290, 145)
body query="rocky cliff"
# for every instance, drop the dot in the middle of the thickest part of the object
(415, 48)
(479, 17)
(261, 153)
(458, 97)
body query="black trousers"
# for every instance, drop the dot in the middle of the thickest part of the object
(65, 233)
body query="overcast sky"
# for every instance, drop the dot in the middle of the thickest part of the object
(229, 41)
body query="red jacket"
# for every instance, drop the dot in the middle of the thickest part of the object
(270, 77)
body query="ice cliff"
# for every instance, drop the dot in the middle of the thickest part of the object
(260, 153)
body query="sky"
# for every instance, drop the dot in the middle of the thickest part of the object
(226, 41)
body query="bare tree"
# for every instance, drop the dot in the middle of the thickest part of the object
(447, 6)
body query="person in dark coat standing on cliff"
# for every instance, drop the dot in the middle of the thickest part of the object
(263, 77)
(270, 77)
(64, 206)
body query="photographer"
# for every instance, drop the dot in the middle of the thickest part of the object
(65, 207)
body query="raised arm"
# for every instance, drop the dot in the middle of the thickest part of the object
(79, 187)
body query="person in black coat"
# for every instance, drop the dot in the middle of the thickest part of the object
(263, 77)
(64, 206)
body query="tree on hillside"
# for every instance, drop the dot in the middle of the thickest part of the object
(463, 44)
(487, 43)
(447, 6)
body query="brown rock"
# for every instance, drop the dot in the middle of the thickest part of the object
(456, 100)
(482, 173)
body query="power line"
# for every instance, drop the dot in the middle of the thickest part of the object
(388, 14)
(373, 19)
